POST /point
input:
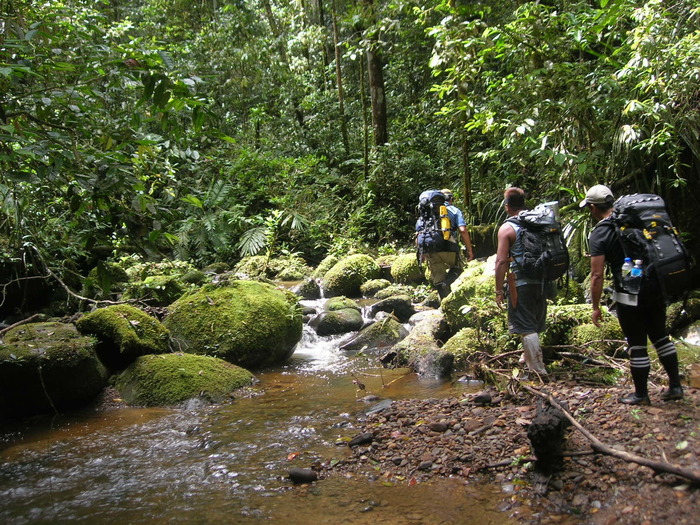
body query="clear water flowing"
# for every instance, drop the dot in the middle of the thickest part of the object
(229, 463)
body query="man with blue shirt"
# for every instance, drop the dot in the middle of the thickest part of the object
(446, 266)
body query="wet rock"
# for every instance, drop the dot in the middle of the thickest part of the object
(302, 475)
(398, 305)
(362, 439)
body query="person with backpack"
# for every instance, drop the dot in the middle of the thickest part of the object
(641, 315)
(437, 241)
(527, 302)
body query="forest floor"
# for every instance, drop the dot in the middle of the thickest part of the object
(483, 437)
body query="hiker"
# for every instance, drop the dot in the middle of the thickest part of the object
(527, 303)
(446, 264)
(645, 320)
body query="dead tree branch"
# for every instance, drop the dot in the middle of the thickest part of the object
(599, 446)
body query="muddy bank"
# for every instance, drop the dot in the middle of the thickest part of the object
(475, 438)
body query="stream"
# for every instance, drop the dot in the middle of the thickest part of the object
(229, 463)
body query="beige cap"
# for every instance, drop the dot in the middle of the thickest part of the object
(597, 194)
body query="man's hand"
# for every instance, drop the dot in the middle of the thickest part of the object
(500, 298)
(597, 316)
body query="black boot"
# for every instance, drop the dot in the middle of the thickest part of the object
(443, 289)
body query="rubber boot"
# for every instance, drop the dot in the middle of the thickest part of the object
(533, 353)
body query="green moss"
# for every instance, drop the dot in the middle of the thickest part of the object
(46, 365)
(157, 290)
(348, 274)
(561, 319)
(103, 280)
(170, 379)
(465, 344)
(124, 333)
(605, 338)
(473, 284)
(371, 287)
(138, 271)
(405, 270)
(326, 264)
(254, 266)
(340, 303)
(387, 259)
(216, 268)
(247, 323)
(196, 277)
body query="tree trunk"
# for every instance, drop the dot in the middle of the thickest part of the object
(339, 83)
(377, 94)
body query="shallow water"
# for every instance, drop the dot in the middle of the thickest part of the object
(229, 464)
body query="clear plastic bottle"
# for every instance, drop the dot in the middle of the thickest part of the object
(626, 267)
(637, 271)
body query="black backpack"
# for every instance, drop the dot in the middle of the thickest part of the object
(545, 256)
(431, 236)
(645, 231)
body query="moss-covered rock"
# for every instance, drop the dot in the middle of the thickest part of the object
(476, 282)
(157, 290)
(340, 303)
(196, 277)
(680, 314)
(465, 343)
(138, 271)
(561, 319)
(247, 323)
(405, 269)
(326, 264)
(380, 334)
(607, 338)
(308, 289)
(337, 322)
(171, 379)
(400, 289)
(216, 268)
(371, 287)
(348, 274)
(124, 333)
(398, 305)
(47, 365)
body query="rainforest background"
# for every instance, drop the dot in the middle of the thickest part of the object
(208, 130)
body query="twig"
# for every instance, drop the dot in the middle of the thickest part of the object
(27, 320)
(599, 446)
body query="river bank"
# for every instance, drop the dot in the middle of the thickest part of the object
(477, 440)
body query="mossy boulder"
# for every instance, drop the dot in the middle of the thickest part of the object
(172, 379)
(47, 365)
(348, 274)
(405, 269)
(308, 289)
(336, 322)
(216, 268)
(371, 287)
(123, 333)
(247, 323)
(326, 264)
(477, 282)
(680, 314)
(340, 303)
(465, 343)
(421, 348)
(561, 319)
(138, 270)
(397, 289)
(607, 338)
(398, 305)
(157, 290)
(380, 334)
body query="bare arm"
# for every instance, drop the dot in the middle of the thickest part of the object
(467, 240)
(506, 238)
(597, 276)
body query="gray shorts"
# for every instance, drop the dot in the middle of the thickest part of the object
(531, 313)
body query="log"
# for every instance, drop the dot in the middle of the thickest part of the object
(547, 434)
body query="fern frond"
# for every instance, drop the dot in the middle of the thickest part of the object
(253, 241)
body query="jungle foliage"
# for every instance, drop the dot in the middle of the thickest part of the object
(213, 129)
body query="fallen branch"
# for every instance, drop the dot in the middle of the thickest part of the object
(599, 446)
(23, 321)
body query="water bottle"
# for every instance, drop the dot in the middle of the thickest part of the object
(634, 281)
(445, 224)
(626, 267)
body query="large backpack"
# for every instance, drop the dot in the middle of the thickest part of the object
(545, 256)
(645, 231)
(431, 235)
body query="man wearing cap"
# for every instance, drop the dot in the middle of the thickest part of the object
(641, 321)
(527, 302)
(445, 267)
